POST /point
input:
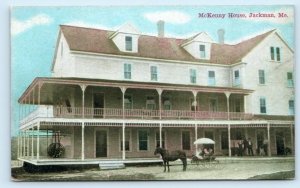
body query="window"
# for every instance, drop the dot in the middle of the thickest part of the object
(237, 134)
(202, 51)
(272, 53)
(278, 54)
(162, 139)
(166, 103)
(237, 105)
(290, 79)
(150, 103)
(263, 108)
(128, 101)
(213, 105)
(186, 144)
(211, 78)
(261, 76)
(193, 76)
(291, 107)
(143, 140)
(127, 140)
(127, 71)
(224, 140)
(237, 77)
(153, 70)
(128, 43)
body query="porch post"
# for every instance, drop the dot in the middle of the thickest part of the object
(196, 135)
(269, 143)
(292, 138)
(229, 144)
(32, 134)
(245, 103)
(18, 155)
(227, 101)
(159, 91)
(83, 87)
(123, 89)
(23, 143)
(82, 141)
(27, 140)
(160, 134)
(195, 103)
(38, 142)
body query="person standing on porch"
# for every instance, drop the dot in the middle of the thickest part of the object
(245, 143)
(250, 150)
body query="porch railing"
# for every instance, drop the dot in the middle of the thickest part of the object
(116, 113)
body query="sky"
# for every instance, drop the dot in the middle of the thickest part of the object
(34, 32)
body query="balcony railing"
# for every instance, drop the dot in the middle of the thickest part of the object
(116, 113)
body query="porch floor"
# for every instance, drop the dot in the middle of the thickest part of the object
(66, 161)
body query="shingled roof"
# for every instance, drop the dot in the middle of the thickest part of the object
(97, 41)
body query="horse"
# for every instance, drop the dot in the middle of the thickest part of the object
(171, 156)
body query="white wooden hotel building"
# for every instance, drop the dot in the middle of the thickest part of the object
(121, 89)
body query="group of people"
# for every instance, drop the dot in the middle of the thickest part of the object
(245, 147)
(205, 153)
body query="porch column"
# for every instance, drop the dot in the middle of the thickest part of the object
(160, 134)
(27, 140)
(245, 103)
(123, 140)
(292, 138)
(32, 134)
(227, 101)
(82, 141)
(21, 144)
(196, 135)
(195, 103)
(269, 143)
(24, 144)
(159, 91)
(123, 89)
(18, 139)
(38, 142)
(83, 87)
(229, 144)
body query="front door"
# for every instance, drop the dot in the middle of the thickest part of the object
(280, 143)
(98, 105)
(101, 143)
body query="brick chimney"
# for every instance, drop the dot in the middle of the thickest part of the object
(160, 28)
(221, 33)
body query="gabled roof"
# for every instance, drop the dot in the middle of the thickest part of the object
(98, 41)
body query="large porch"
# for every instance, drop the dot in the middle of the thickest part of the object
(94, 141)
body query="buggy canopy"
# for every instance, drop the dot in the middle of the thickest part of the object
(204, 141)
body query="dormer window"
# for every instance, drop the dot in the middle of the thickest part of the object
(202, 51)
(275, 53)
(128, 43)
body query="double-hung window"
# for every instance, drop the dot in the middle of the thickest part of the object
(262, 104)
(128, 101)
(186, 140)
(128, 43)
(237, 80)
(202, 51)
(261, 76)
(153, 70)
(275, 53)
(193, 76)
(211, 78)
(127, 71)
(291, 107)
(290, 80)
(143, 140)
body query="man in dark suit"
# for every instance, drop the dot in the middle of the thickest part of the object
(250, 150)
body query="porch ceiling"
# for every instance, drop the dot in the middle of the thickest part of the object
(49, 84)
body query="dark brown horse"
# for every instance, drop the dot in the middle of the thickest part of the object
(171, 156)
